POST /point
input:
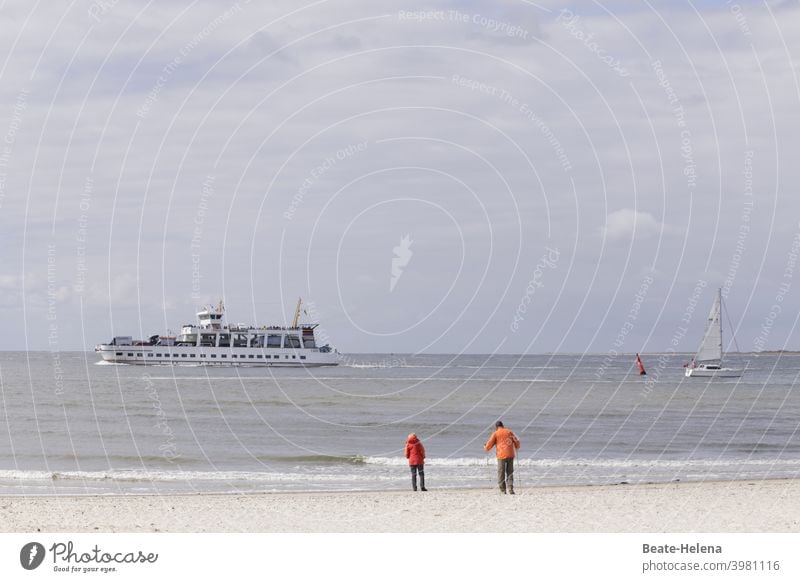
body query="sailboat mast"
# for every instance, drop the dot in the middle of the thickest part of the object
(719, 299)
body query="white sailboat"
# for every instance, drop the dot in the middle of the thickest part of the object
(707, 363)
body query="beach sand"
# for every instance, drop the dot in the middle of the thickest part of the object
(738, 506)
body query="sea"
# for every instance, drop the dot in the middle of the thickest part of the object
(72, 425)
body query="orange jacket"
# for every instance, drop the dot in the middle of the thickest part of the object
(415, 452)
(506, 442)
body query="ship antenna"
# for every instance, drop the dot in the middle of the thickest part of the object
(296, 319)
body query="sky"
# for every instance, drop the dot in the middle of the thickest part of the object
(443, 177)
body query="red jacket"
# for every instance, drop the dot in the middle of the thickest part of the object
(506, 442)
(415, 452)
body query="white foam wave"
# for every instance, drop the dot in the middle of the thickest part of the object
(593, 463)
(161, 476)
(362, 379)
(372, 366)
(401, 365)
(702, 467)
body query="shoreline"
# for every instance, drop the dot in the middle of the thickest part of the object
(699, 506)
(483, 487)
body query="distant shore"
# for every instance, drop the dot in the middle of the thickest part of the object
(718, 506)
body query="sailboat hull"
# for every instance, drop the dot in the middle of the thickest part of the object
(703, 372)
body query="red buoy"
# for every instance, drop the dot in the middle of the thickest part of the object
(642, 371)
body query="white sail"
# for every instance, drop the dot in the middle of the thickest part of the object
(711, 348)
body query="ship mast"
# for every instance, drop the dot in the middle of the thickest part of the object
(296, 318)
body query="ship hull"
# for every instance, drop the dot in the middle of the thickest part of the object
(195, 355)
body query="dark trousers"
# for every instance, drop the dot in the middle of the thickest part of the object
(505, 474)
(414, 470)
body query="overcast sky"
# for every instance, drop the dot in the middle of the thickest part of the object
(454, 176)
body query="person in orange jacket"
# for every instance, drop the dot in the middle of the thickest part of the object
(415, 453)
(507, 443)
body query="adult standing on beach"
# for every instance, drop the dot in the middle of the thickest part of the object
(415, 453)
(507, 444)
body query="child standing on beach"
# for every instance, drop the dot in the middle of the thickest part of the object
(415, 453)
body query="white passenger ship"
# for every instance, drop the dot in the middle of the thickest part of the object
(212, 342)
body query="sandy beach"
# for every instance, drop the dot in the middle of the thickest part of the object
(739, 506)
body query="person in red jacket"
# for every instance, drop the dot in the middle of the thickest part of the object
(507, 444)
(415, 453)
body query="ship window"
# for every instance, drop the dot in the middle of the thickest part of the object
(158, 355)
(257, 341)
(292, 341)
(193, 355)
(213, 355)
(240, 340)
(119, 353)
(224, 355)
(251, 356)
(286, 357)
(224, 340)
(208, 339)
(302, 357)
(273, 341)
(308, 342)
(183, 355)
(259, 356)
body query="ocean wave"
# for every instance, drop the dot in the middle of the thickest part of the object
(317, 459)
(136, 475)
(376, 365)
(591, 463)
(431, 366)
(363, 379)
(501, 367)
(153, 364)
(462, 467)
